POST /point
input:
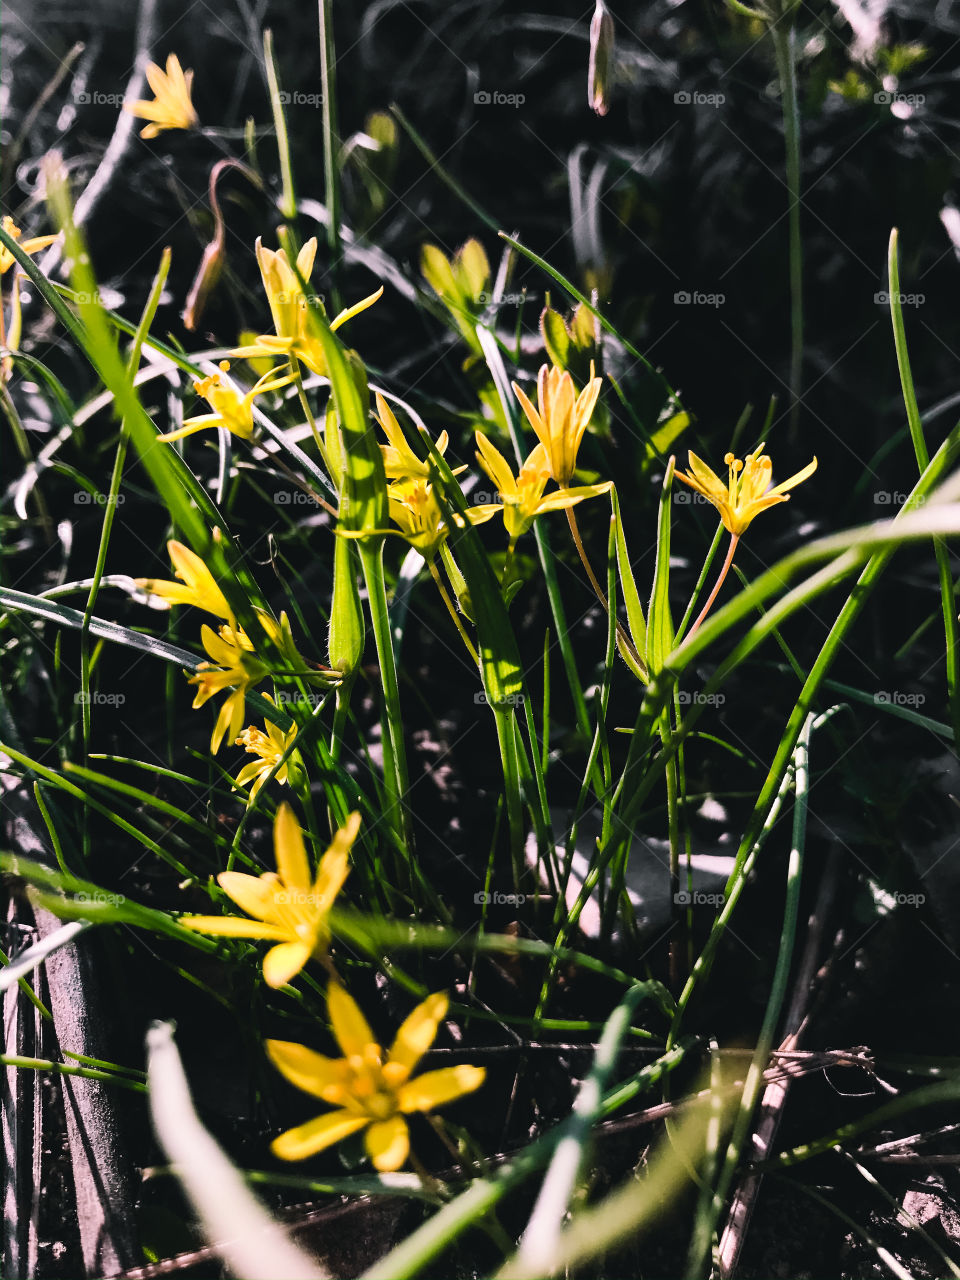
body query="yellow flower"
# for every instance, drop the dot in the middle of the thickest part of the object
(269, 748)
(171, 107)
(414, 507)
(28, 246)
(291, 312)
(562, 419)
(522, 495)
(287, 907)
(230, 409)
(235, 666)
(197, 587)
(747, 490)
(399, 460)
(373, 1090)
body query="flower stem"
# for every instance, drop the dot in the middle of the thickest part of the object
(600, 594)
(331, 170)
(305, 405)
(784, 44)
(452, 610)
(734, 540)
(673, 827)
(396, 778)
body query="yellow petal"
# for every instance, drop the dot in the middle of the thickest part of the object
(156, 79)
(225, 718)
(283, 962)
(307, 1070)
(255, 895)
(307, 1139)
(233, 927)
(331, 874)
(569, 497)
(355, 310)
(534, 418)
(306, 257)
(349, 1025)
(418, 1032)
(710, 483)
(495, 465)
(586, 403)
(388, 1144)
(391, 427)
(249, 772)
(479, 515)
(799, 478)
(222, 653)
(434, 1088)
(191, 426)
(289, 849)
(755, 480)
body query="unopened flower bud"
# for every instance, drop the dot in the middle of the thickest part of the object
(602, 50)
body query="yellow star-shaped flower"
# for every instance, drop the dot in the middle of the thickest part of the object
(197, 585)
(236, 667)
(372, 1089)
(291, 312)
(414, 507)
(34, 245)
(268, 745)
(522, 495)
(231, 408)
(288, 907)
(561, 418)
(399, 460)
(171, 107)
(747, 491)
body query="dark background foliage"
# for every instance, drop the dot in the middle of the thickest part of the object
(686, 198)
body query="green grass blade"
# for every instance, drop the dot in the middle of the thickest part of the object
(950, 627)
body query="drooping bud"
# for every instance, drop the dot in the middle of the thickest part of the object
(602, 51)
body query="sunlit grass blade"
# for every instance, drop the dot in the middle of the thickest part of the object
(947, 596)
(244, 1234)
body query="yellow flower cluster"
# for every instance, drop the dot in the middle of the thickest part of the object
(290, 908)
(371, 1089)
(411, 496)
(235, 665)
